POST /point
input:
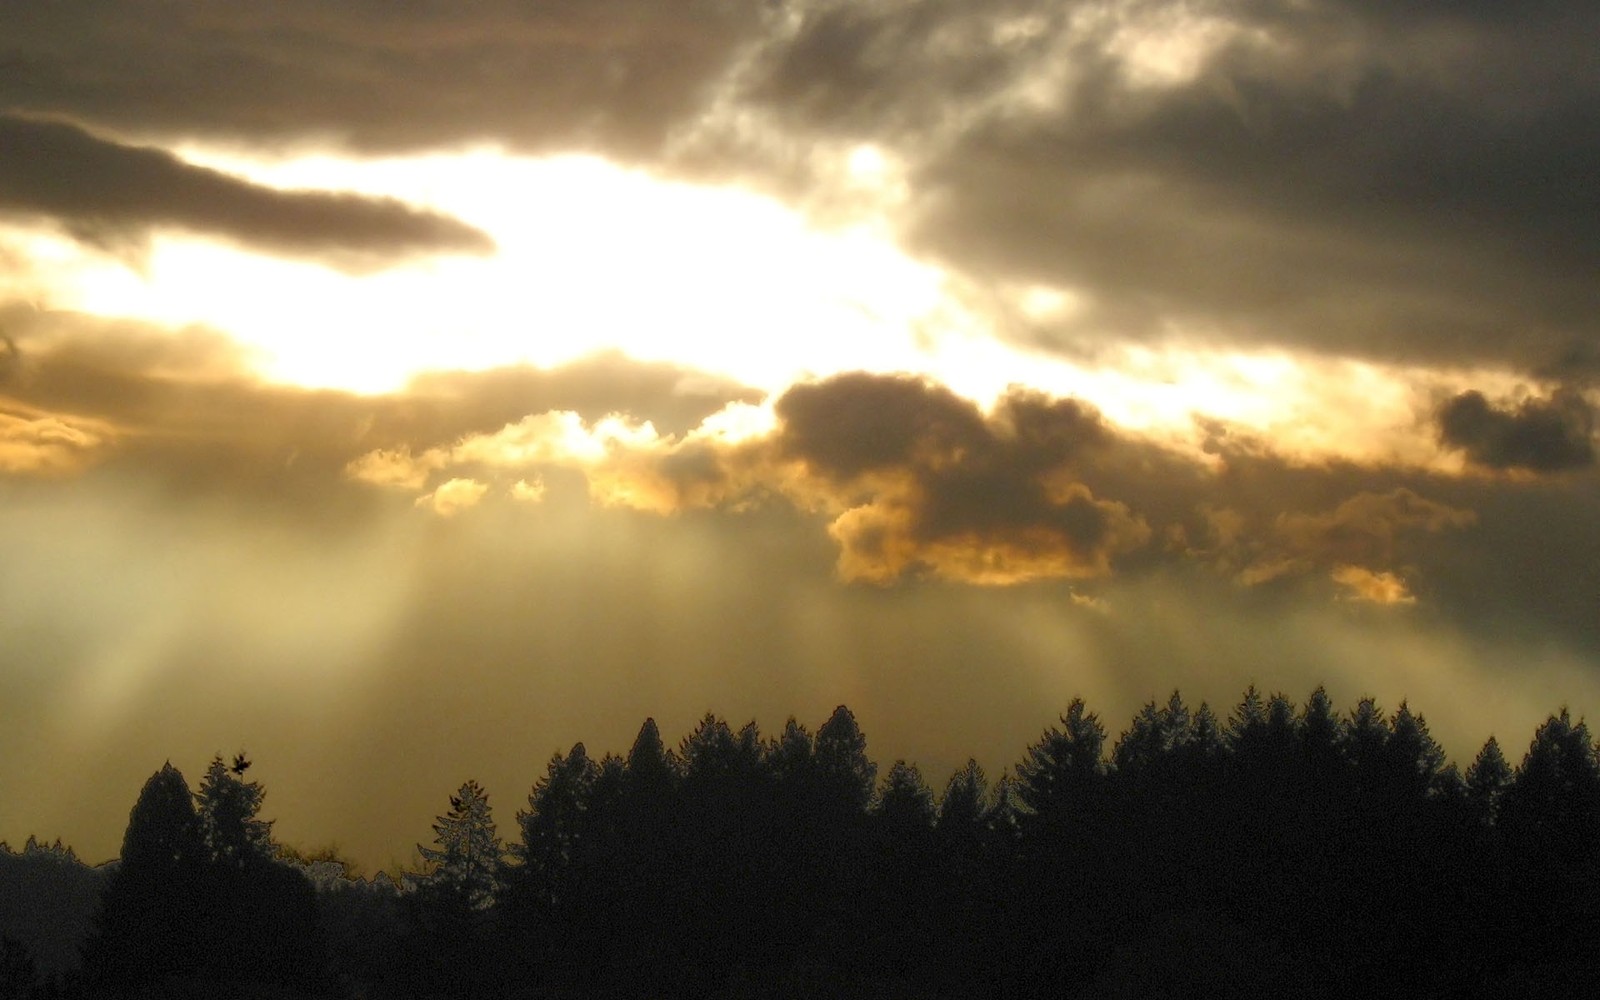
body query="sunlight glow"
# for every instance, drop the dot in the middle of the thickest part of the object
(593, 257)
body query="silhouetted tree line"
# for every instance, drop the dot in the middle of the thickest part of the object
(1283, 851)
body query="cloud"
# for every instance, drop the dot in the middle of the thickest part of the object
(914, 481)
(1368, 527)
(104, 191)
(526, 491)
(1376, 587)
(602, 74)
(1359, 544)
(929, 484)
(394, 467)
(1552, 434)
(180, 407)
(48, 444)
(453, 496)
(1322, 175)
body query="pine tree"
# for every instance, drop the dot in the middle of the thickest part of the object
(150, 924)
(164, 833)
(790, 756)
(1247, 720)
(1414, 757)
(652, 771)
(553, 824)
(1487, 779)
(228, 809)
(466, 862)
(965, 798)
(906, 803)
(841, 758)
(1063, 764)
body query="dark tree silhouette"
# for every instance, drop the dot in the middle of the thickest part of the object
(229, 809)
(150, 927)
(1487, 779)
(1550, 828)
(1290, 852)
(467, 860)
(1062, 865)
(842, 762)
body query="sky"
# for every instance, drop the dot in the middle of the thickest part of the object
(404, 392)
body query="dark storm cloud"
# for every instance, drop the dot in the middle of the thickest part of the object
(104, 191)
(870, 69)
(1537, 435)
(1344, 176)
(931, 485)
(379, 76)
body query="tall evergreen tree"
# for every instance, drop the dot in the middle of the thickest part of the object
(842, 762)
(1062, 765)
(467, 861)
(652, 770)
(229, 808)
(964, 801)
(791, 755)
(906, 803)
(1549, 824)
(1487, 778)
(552, 826)
(151, 922)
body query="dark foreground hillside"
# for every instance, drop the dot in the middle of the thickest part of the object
(1284, 851)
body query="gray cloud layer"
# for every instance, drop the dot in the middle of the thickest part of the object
(375, 75)
(105, 191)
(1400, 181)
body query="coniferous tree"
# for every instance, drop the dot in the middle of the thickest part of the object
(790, 756)
(964, 801)
(1487, 778)
(902, 886)
(229, 808)
(468, 859)
(1062, 853)
(905, 804)
(261, 919)
(1247, 720)
(1549, 824)
(552, 827)
(150, 925)
(842, 762)
(1062, 768)
(448, 947)
(1365, 736)
(1412, 757)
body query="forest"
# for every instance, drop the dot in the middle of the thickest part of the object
(1285, 850)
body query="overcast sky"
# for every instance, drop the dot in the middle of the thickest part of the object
(402, 393)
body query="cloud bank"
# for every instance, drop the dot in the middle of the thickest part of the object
(107, 193)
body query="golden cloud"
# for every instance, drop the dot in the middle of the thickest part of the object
(1377, 587)
(453, 496)
(49, 444)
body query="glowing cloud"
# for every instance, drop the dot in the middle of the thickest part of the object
(1376, 587)
(49, 444)
(453, 496)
